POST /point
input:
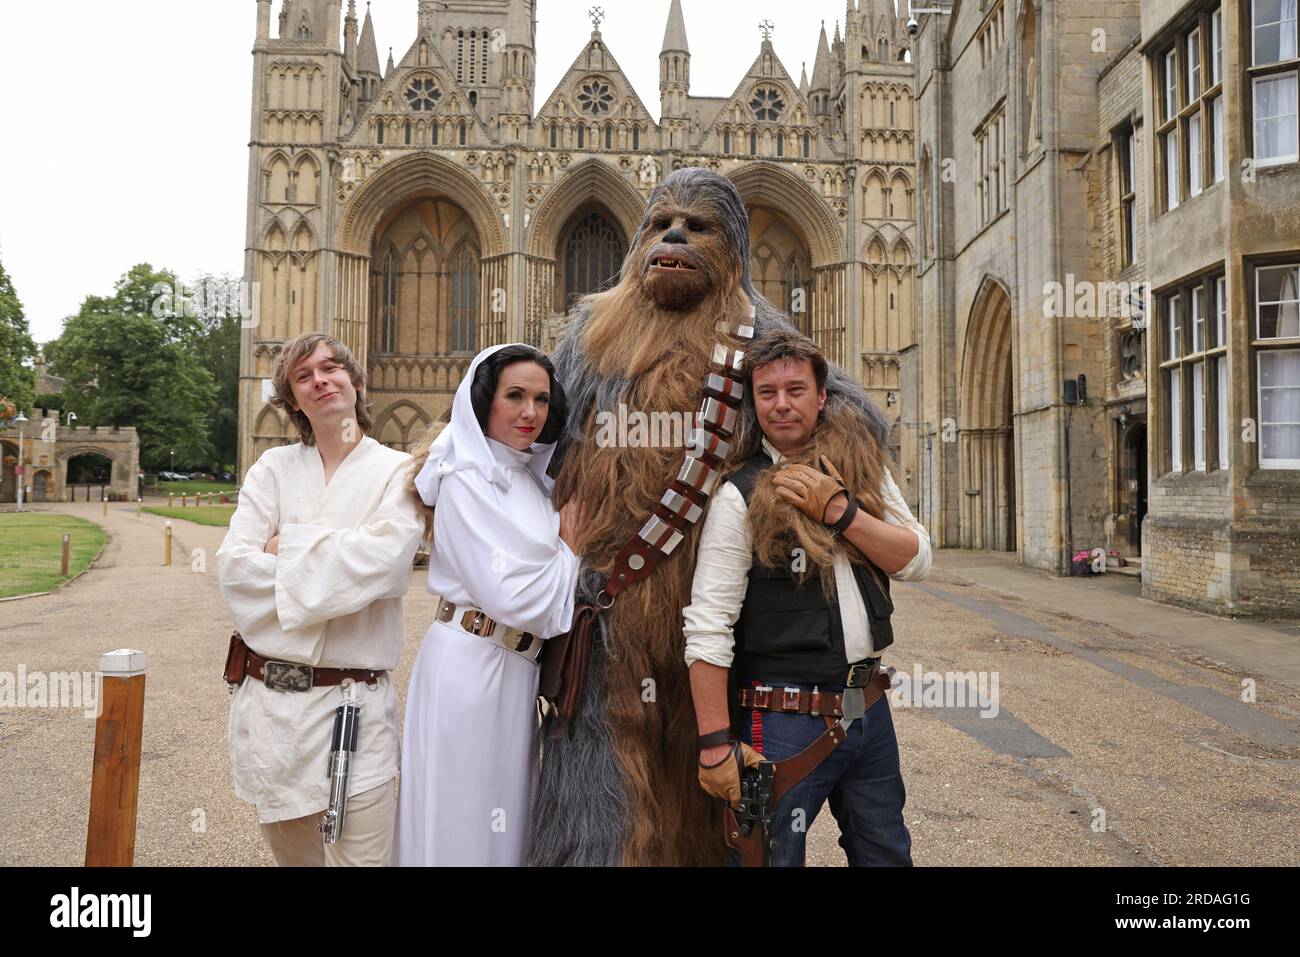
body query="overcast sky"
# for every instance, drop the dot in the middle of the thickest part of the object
(126, 125)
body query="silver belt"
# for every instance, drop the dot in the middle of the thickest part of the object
(476, 622)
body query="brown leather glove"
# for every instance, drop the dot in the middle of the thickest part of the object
(722, 780)
(807, 489)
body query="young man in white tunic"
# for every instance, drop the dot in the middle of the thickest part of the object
(313, 570)
(501, 555)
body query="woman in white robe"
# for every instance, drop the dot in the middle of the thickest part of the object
(469, 748)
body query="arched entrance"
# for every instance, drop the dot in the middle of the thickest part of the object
(8, 472)
(1131, 496)
(424, 283)
(88, 474)
(780, 264)
(588, 255)
(986, 440)
(41, 482)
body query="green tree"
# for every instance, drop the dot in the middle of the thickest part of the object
(130, 361)
(17, 378)
(217, 347)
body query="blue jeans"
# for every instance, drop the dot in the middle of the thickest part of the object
(861, 777)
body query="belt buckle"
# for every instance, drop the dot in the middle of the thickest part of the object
(446, 610)
(477, 623)
(287, 676)
(790, 698)
(762, 697)
(867, 666)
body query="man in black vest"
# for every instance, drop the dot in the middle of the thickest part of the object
(775, 661)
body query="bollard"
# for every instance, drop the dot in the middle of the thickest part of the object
(167, 543)
(63, 571)
(171, 499)
(105, 501)
(139, 505)
(183, 497)
(115, 777)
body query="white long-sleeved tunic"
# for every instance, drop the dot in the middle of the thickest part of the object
(331, 597)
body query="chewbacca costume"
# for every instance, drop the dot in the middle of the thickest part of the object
(618, 785)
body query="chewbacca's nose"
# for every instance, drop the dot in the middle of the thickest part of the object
(675, 235)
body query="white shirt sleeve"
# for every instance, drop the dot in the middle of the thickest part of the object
(246, 573)
(721, 579)
(324, 573)
(897, 513)
(517, 571)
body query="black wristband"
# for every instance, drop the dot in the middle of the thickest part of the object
(846, 519)
(715, 738)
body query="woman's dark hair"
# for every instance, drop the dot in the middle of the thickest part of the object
(484, 387)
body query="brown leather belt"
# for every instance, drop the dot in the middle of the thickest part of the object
(803, 701)
(294, 676)
(790, 700)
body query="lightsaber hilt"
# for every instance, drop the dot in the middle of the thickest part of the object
(343, 747)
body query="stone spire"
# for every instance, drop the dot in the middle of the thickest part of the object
(367, 51)
(821, 77)
(675, 32)
(389, 70)
(803, 79)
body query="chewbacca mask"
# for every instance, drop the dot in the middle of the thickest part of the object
(618, 785)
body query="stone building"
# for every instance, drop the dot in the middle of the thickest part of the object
(60, 461)
(427, 209)
(1093, 202)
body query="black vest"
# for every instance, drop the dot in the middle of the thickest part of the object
(793, 633)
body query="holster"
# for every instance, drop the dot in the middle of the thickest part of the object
(236, 660)
(565, 659)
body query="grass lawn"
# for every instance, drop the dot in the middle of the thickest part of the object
(31, 550)
(189, 488)
(199, 514)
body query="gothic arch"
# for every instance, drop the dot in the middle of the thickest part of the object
(767, 184)
(901, 254)
(873, 196)
(900, 195)
(986, 439)
(401, 425)
(275, 178)
(589, 180)
(271, 429)
(419, 175)
(874, 251)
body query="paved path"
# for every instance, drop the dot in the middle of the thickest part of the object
(1108, 705)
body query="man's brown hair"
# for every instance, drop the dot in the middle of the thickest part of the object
(785, 344)
(293, 352)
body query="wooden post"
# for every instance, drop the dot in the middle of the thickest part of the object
(171, 499)
(183, 497)
(139, 505)
(63, 572)
(105, 501)
(167, 543)
(115, 779)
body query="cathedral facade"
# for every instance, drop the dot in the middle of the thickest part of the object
(423, 210)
